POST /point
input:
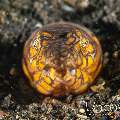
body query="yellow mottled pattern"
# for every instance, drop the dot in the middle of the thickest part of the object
(33, 51)
(44, 43)
(52, 73)
(70, 40)
(37, 75)
(32, 64)
(46, 34)
(47, 79)
(74, 75)
(40, 64)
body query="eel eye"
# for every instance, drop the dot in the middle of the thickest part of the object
(72, 71)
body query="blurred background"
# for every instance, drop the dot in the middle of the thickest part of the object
(18, 101)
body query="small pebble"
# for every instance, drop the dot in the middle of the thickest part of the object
(82, 110)
(82, 4)
(12, 71)
(38, 25)
(115, 54)
(106, 54)
(82, 116)
(2, 114)
(17, 116)
(68, 8)
(106, 58)
(69, 98)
